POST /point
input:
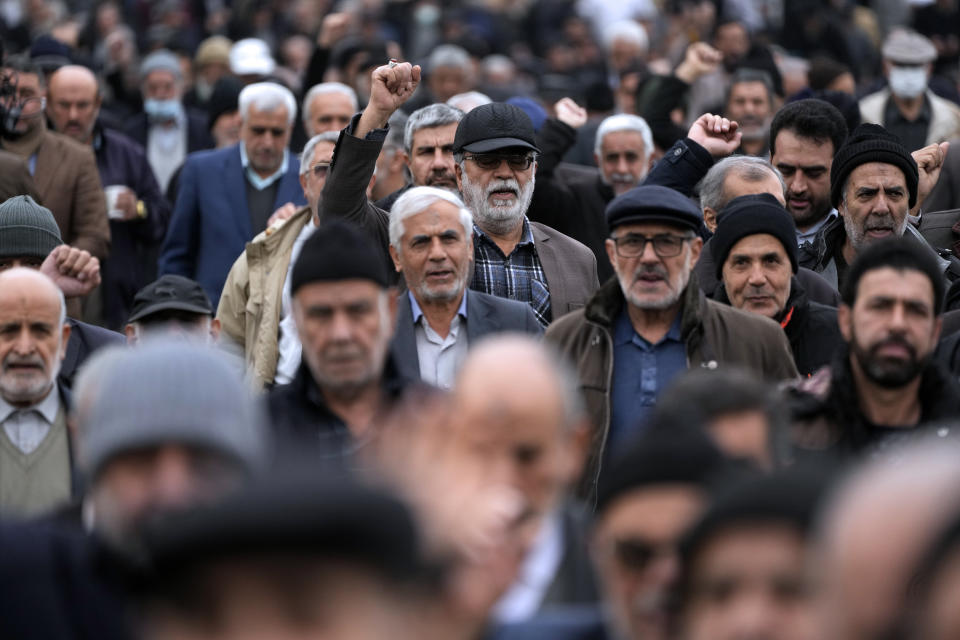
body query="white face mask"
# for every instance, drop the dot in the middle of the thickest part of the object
(908, 82)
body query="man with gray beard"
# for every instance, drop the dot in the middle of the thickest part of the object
(495, 152)
(652, 322)
(431, 241)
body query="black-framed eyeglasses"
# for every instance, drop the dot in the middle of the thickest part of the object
(320, 169)
(665, 245)
(490, 161)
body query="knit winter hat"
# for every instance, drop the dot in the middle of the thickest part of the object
(168, 391)
(27, 229)
(871, 143)
(338, 251)
(750, 215)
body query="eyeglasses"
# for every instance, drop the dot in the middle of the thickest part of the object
(320, 169)
(491, 161)
(638, 555)
(277, 132)
(665, 245)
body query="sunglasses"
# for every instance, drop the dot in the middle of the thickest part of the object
(490, 161)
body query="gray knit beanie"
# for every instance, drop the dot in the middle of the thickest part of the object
(167, 391)
(160, 60)
(27, 229)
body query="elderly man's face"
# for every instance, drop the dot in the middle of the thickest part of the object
(345, 328)
(446, 82)
(162, 85)
(875, 203)
(653, 274)
(622, 160)
(749, 582)
(756, 275)
(634, 548)
(431, 157)
(316, 176)
(265, 135)
(892, 328)
(136, 485)
(329, 112)
(749, 104)
(497, 187)
(32, 340)
(434, 253)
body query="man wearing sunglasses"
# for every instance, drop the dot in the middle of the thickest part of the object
(225, 197)
(652, 322)
(258, 279)
(495, 153)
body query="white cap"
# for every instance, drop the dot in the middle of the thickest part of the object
(250, 57)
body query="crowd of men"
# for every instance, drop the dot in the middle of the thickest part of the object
(609, 319)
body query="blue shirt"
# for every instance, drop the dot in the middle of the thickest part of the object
(640, 372)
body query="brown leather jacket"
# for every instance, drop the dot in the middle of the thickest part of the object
(715, 335)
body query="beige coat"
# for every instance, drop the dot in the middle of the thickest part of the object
(250, 305)
(944, 120)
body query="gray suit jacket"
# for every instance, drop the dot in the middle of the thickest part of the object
(486, 315)
(569, 266)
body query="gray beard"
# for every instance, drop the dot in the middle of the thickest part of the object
(498, 221)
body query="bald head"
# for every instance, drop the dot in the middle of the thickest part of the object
(874, 533)
(73, 102)
(33, 335)
(517, 407)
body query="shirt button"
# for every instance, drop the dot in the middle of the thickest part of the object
(677, 151)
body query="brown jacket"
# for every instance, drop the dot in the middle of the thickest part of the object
(15, 178)
(250, 305)
(715, 334)
(67, 180)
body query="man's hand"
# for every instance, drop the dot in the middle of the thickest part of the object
(333, 29)
(75, 271)
(127, 203)
(700, 59)
(390, 87)
(570, 113)
(282, 213)
(716, 134)
(929, 161)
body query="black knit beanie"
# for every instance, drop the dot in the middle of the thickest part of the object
(750, 215)
(338, 251)
(871, 143)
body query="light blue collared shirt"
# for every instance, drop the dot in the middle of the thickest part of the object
(811, 233)
(440, 358)
(262, 183)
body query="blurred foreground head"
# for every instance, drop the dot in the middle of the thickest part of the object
(167, 425)
(295, 557)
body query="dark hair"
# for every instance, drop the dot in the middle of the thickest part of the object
(895, 253)
(23, 64)
(703, 395)
(815, 119)
(824, 70)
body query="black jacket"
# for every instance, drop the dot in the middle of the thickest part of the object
(811, 328)
(305, 427)
(828, 420)
(84, 340)
(568, 198)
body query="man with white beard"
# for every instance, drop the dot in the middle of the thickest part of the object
(495, 152)
(35, 467)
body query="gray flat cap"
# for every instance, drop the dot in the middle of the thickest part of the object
(908, 48)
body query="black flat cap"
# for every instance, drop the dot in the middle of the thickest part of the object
(653, 203)
(170, 293)
(494, 126)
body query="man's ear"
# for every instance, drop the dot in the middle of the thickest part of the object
(64, 339)
(844, 316)
(710, 219)
(214, 329)
(611, 248)
(459, 171)
(396, 258)
(131, 332)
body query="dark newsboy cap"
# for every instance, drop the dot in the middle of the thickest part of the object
(653, 203)
(494, 126)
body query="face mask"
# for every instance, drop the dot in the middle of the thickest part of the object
(161, 110)
(908, 82)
